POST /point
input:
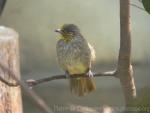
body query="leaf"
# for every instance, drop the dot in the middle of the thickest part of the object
(146, 4)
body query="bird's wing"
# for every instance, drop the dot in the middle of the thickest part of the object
(93, 56)
(85, 52)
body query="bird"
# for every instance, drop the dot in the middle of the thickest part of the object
(75, 56)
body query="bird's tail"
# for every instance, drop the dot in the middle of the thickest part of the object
(82, 86)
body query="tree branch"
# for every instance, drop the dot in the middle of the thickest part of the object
(32, 82)
(2, 5)
(34, 97)
(8, 83)
(125, 71)
(134, 5)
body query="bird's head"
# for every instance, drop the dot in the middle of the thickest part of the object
(68, 31)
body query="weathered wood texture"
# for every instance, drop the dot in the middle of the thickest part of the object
(10, 97)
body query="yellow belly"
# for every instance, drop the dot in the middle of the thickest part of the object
(77, 69)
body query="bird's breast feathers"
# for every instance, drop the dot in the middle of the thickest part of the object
(75, 56)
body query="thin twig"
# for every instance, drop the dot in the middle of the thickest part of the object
(140, 1)
(134, 5)
(36, 99)
(32, 82)
(8, 83)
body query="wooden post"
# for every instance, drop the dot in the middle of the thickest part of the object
(10, 97)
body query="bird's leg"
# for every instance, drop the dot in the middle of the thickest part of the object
(67, 74)
(90, 73)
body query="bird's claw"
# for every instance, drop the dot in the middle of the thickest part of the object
(90, 74)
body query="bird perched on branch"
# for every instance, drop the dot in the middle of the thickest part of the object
(75, 56)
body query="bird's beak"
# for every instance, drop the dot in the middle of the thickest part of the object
(58, 31)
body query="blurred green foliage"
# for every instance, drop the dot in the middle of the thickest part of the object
(146, 4)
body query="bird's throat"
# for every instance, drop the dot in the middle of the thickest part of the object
(66, 38)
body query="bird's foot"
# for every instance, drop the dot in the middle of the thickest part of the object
(90, 73)
(67, 74)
